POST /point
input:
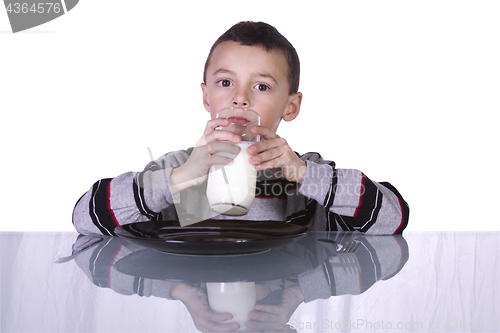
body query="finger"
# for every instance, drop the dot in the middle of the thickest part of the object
(272, 316)
(222, 136)
(220, 317)
(223, 147)
(261, 146)
(205, 157)
(267, 144)
(267, 308)
(220, 160)
(274, 163)
(264, 132)
(214, 123)
(266, 156)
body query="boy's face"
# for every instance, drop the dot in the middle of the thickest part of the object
(250, 77)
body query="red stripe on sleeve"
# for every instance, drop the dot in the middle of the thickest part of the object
(402, 217)
(361, 192)
(109, 205)
(111, 265)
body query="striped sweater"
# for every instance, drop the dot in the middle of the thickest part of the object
(328, 199)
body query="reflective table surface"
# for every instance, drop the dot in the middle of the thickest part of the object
(323, 282)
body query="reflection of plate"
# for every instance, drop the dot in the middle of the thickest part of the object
(211, 237)
(271, 265)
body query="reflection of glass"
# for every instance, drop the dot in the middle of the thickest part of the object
(236, 298)
(231, 188)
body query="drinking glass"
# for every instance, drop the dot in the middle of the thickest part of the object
(237, 298)
(231, 188)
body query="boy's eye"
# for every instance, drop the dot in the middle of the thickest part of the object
(263, 87)
(225, 83)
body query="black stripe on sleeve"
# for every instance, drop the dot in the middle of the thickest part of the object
(138, 286)
(74, 208)
(330, 219)
(327, 268)
(80, 199)
(374, 211)
(344, 222)
(101, 260)
(368, 259)
(304, 216)
(331, 193)
(370, 204)
(98, 207)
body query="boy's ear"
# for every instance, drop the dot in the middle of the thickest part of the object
(206, 104)
(293, 107)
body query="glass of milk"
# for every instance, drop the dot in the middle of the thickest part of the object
(236, 298)
(231, 188)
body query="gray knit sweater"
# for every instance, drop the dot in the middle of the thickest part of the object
(338, 199)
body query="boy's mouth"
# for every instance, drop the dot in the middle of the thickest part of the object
(238, 120)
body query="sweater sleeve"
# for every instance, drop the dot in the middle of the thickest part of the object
(352, 201)
(127, 198)
(375, 258)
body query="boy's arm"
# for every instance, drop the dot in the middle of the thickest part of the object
(376, 258)
(130, 197)
(353, 202)
(136, 197)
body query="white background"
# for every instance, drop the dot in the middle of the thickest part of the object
(406, 91)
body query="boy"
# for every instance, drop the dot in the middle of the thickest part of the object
(250, 66)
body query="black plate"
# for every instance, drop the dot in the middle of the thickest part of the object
(211, 237)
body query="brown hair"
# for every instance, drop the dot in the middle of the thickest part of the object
(266, 36)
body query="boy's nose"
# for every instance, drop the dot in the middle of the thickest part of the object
(241, 99)
(242, 104)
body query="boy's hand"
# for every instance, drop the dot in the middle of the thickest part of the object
(195, 170)
(273, 152)
(272, 313)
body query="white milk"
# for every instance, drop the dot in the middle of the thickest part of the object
(236, 298)
(235, 196)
